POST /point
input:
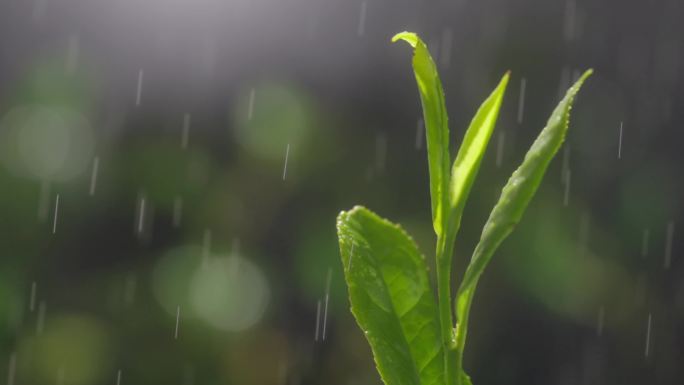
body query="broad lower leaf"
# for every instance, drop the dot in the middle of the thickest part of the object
(391, 298)
(469, 157)
(436, 127)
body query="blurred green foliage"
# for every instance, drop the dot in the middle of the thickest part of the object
(110, 293)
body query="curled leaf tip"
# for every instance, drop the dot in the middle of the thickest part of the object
(406, 36)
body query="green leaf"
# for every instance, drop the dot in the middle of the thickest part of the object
(436, 127)
(391, 298)
(470, 154)
(522, 185)
(514, 199)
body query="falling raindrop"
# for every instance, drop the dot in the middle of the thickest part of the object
(521, 100)
(175, 334)
(318, 319)
(361, 30)
(620, 142)
(32, 300)
(647, 348)
(250, 108)
(327, 299)
(12, 370)
(93, 175)
(139, 89)
(118, 377)
(186, 131)
(287, 155)
(54, 221)
(668, 244)
(566, 162)
(141, 215)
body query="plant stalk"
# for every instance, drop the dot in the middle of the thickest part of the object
(462, 327)
(444, 251)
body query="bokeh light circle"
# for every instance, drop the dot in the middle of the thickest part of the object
(269, 117)
(230, 293)
(45, 142)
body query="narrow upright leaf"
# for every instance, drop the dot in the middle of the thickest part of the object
(391, 298)
(514, 199)
(436, 127)
(522, 185)
(470, 154)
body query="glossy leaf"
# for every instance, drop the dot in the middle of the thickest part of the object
(522, 185)
(514, 199)
(439, 159)
(436, 127)
(391, 298)
(469, 157)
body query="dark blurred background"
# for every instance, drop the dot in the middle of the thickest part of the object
(170, 173)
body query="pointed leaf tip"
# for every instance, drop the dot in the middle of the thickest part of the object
(584, 77)
(470, 154)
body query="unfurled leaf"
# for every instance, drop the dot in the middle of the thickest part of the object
(436, 127)
(413, 339)
(391, 298)
(514, 199)
(522, 185)
(470, 154)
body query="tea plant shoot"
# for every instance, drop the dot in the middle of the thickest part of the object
(417, 338)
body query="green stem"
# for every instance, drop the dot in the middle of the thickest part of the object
(444, 251)
(464, 299)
